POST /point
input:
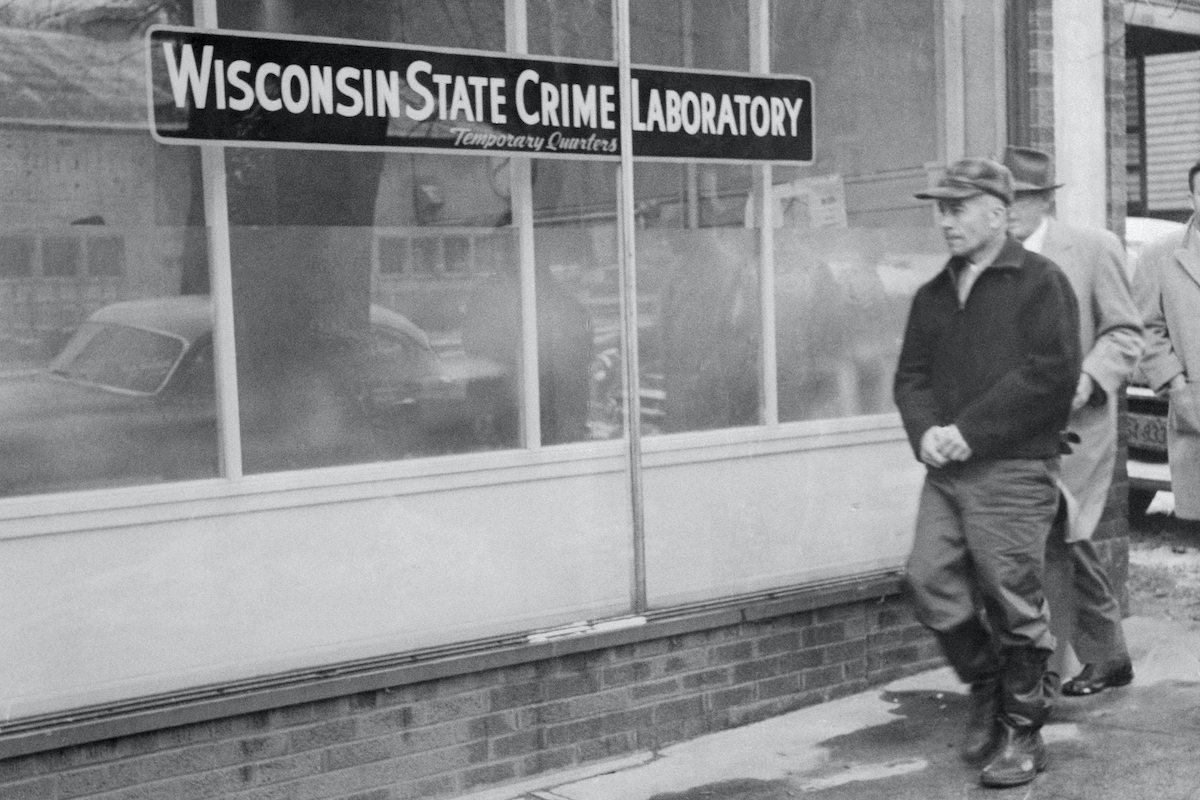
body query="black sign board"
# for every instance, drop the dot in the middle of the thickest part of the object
(209, 86)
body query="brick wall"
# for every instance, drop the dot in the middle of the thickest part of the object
(446, 737)
(1112, 535)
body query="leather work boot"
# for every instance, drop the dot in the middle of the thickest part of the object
(1021, 756)
(1097, 677)
(983, 726)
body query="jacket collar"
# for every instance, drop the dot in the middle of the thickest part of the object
(1011, 256)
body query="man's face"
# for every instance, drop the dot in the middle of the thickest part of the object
(1026, 212)
(1195, 192)
(971, 224)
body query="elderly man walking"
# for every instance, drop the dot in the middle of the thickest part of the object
(987, 371)
(1084, 611)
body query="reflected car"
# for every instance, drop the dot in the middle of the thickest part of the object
(130, 399)
(1146, 420)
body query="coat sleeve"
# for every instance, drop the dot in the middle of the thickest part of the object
(1036, 394)
(1159, 362)
(912, 388)
(1118, 334)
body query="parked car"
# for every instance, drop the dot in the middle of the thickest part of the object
(1146, 421)
(1146, 430)
(1139, 231)
(130, 399)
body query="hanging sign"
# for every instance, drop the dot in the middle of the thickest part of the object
(285, 91)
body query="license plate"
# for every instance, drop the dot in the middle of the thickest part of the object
(1147, 432)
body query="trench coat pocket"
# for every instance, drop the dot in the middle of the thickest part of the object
(1185, 409)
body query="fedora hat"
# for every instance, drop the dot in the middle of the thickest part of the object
(1031, 169)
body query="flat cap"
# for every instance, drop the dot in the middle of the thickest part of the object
(969, 177)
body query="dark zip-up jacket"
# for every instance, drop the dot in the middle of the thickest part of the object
(1002, 367)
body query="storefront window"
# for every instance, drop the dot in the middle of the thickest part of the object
(571, 28)
(704, 34)
(377, 314)
(376, 307)
(105, 370)
(852, 244)
(698, 294)
(581, 383)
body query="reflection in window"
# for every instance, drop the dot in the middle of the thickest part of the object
(119, 357)
(571, 28)
(121, 404)
(581, 381)
(330, 249)
(699, 298)
(96, 384)
(852, 243)
(106, 256)
(60, 256)
(841, 299)
(708, 34)
(16, 256)
(477, 24)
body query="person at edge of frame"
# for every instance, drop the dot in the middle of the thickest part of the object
(987, 372)
(1166, 287)
(1084, 612)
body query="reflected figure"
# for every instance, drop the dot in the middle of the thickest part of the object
(839, 328)
(710, 334)
(492, 330)
(870, 328)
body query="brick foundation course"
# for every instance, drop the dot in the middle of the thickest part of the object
(445, 737)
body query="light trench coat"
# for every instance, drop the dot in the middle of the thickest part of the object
(1167, 287)
(1110, 333)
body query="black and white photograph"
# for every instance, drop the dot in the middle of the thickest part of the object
(599, 399)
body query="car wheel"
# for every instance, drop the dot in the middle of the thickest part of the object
(1139, 501)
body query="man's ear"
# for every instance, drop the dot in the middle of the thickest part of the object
(1000, 216)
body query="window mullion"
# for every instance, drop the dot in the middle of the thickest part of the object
(216, 217)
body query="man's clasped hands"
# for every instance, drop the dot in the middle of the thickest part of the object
(942, 444)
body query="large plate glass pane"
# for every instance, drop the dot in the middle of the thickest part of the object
(364, 328)
(700, 323)
(853, 244)
(571, 28)
(106, 357)
(581, 383)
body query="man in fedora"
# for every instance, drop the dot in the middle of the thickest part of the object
(987, 370)
(1084, 612)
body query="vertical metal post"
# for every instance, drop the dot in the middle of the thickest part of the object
(216, 217)
(691, 171)
(516, 36)
(629, 305)
(760, 63)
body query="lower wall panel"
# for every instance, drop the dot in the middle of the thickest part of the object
(717, 528)
(96, 616)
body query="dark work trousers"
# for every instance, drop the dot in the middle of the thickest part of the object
(981, 540)
(981, 543)
(1083, 607)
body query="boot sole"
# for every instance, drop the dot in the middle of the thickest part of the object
(1039, 766)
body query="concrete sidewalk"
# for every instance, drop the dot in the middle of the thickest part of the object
(898, 742)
